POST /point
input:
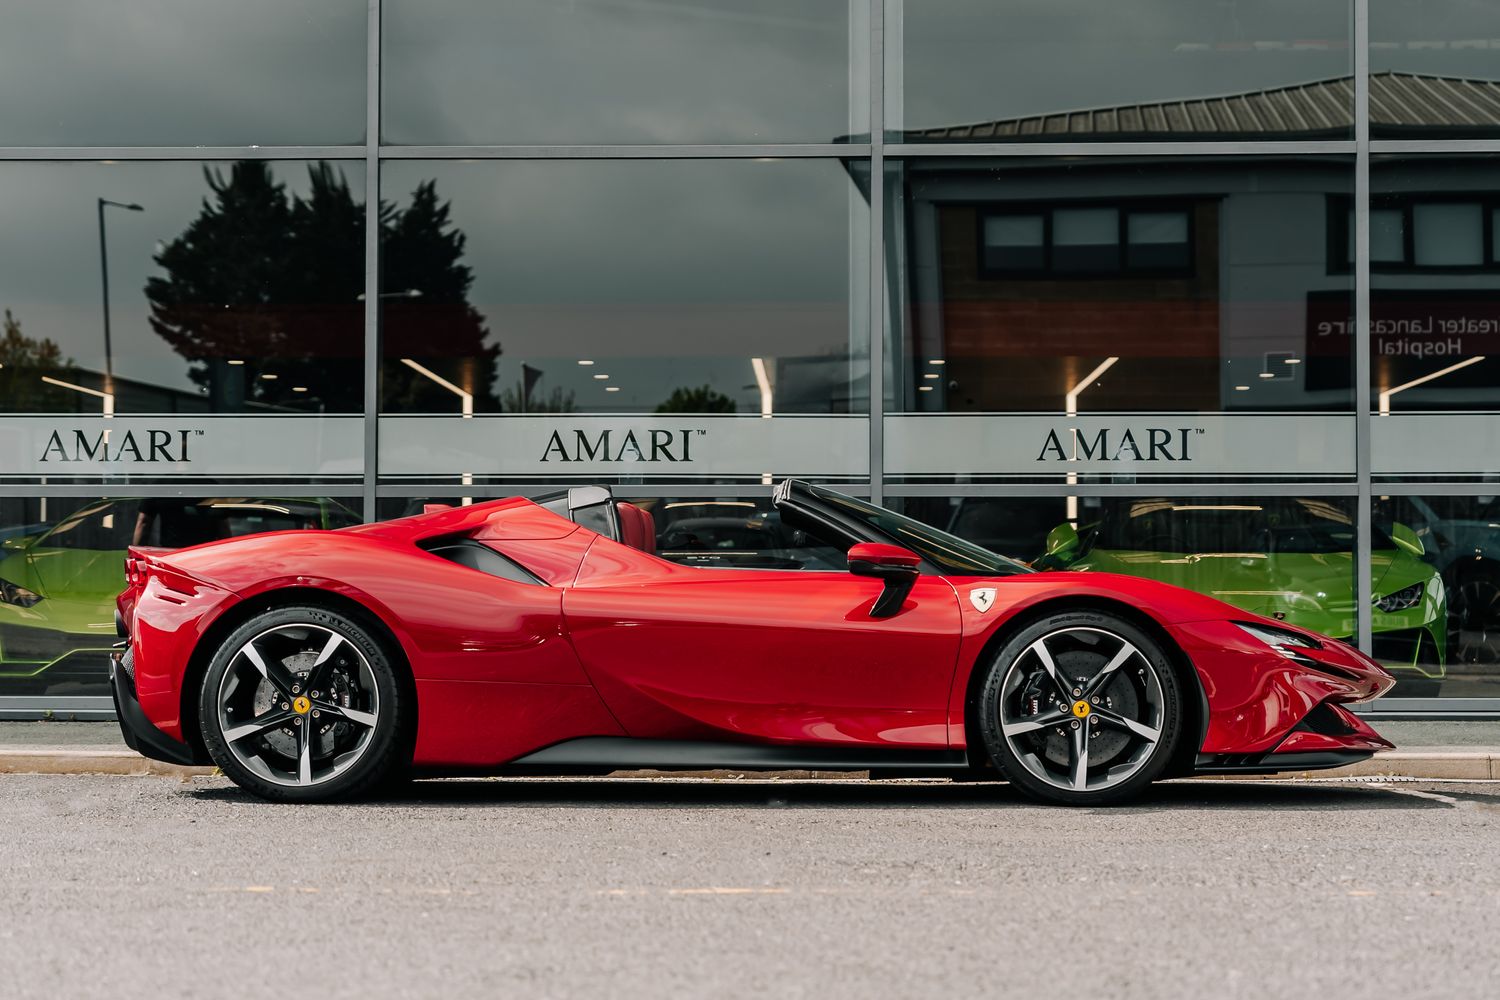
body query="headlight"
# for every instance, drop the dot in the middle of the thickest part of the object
(1284, 642)
(11, 593)
(1401, 600)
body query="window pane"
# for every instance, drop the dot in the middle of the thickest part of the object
(1085, 239)
(1013, 231)
(1387, 236)
(1432, 68)
(1256, 297)
(1157, 240)
(1014, 243)
(182, 73)
(538, 72)
(63, 562)
(1157, 227)
(608, 286)
(1437, 612)
(1448, 235)
(233, 287)
(976, 70)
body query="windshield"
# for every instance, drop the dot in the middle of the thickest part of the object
(1287, 526)
(948, 552)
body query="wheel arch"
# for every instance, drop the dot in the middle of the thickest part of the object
(1195, 705)
(243, 611)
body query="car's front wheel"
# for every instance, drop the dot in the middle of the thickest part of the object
(1080, 708)
(303, 704)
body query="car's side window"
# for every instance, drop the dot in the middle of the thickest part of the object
(736, 534)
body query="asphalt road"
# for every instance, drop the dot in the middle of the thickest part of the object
(151, 887)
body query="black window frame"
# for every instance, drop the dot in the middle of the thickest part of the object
(1123, 209)
(1340, 206)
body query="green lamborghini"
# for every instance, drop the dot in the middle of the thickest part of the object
(1288, 558)
(58, 583)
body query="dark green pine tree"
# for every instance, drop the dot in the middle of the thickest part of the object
(277, 282)
(422, 252)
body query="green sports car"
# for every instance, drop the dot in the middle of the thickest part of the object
(58, 583)
(1288, 558)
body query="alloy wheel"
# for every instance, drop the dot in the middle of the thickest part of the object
(298, 704)
(1082, 709)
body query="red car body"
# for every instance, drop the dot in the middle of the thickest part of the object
(614, 658)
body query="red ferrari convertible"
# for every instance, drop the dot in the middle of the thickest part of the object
(546, 637)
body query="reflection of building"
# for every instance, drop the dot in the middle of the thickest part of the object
(1025, 275)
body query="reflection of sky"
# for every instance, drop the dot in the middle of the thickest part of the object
(977, 60)
(616, 71)
(49, 240)
(182, 72)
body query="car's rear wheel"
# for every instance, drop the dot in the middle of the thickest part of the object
(1080, 708)
(303, 704)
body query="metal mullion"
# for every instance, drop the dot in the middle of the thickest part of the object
(1435, 146)
(1248, 147)
(158, 488)
(1363, 566)
(182, 152)
(681, 152)
(1180, 489)
(877, 312)
(1456, 488)
(372, 261)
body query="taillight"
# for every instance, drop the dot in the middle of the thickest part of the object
(135, 571)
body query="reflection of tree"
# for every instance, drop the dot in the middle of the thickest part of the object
(556, 401)
(23, 362)
(276, 281)
(701, 399)
(421, 251)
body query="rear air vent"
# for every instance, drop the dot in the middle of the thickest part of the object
(467, 552)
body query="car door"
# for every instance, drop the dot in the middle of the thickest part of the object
(679, 652)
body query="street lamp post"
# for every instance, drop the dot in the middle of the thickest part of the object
(109, 358)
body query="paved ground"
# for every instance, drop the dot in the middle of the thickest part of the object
(152, 887)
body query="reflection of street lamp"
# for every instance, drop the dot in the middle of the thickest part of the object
(410, 293)
(1070, 408)
(109, 360)
(465, 405)
(107, 397)
(1386, 394)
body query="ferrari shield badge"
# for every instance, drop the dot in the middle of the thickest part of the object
(983, 598)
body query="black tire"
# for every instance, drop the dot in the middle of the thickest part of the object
(1022, 713)
(354, 729)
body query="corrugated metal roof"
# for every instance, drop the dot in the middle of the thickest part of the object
(1320, 109)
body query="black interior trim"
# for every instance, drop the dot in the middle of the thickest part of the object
(477, 555)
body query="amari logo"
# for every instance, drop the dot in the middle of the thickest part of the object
(1145, 444)
(111, 446)
(658, 445)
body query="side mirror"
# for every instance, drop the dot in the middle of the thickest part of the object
(896, 566)
(1407, 539)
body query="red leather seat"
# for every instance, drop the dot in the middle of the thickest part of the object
(637, 527)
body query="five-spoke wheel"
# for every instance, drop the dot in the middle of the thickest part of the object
(301, 703)
(1080, 707)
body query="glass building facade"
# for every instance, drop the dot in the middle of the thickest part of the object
(1206, 292)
